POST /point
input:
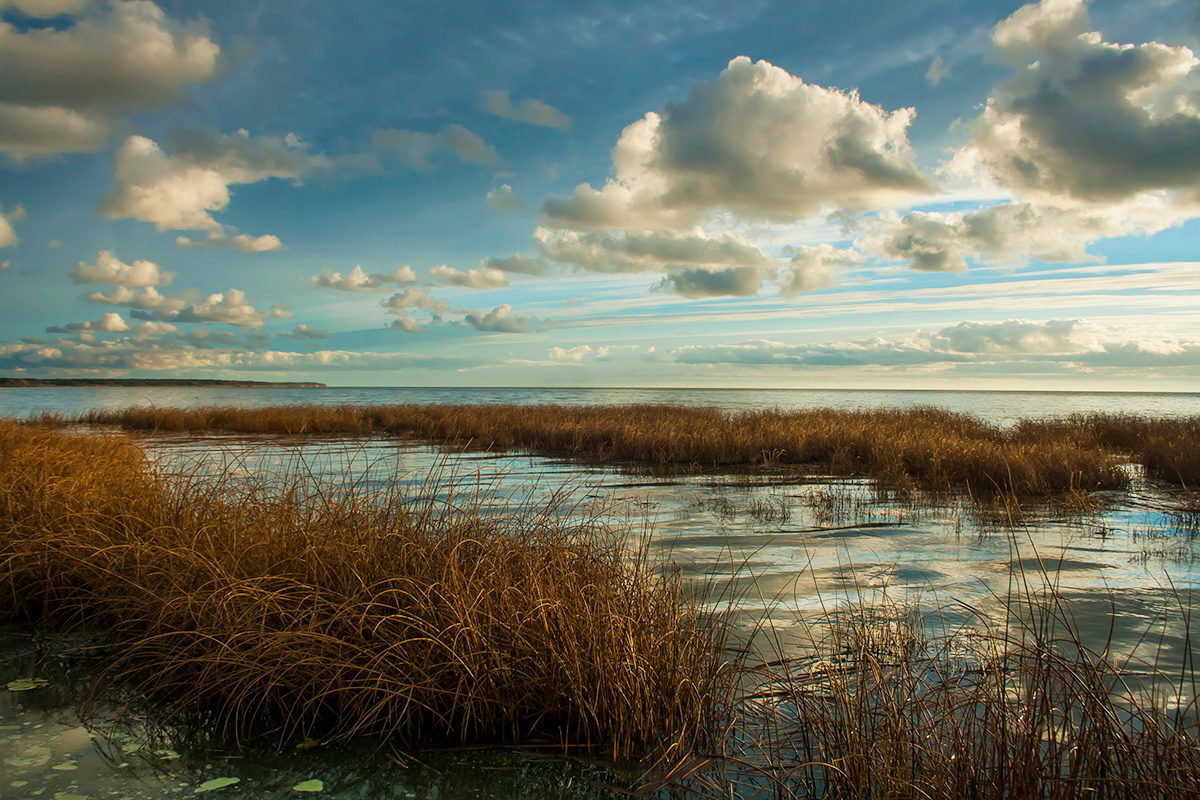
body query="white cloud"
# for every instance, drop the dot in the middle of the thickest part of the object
(605, 251)
(110, 270)
(1010, 233)
(705, 282)
(131, 353)
(149, 299)
(406, 324)
(358, 280)
(180, 191)
(305, 332)
(109, 323)
(417, 298)
(815, 267)
(478, 278)
(152, 328)
(515, 263)
(502, 200)
(938, 71)
(1084, 118)
(1070, 344)
(230, 307)
(527, 110)
(241, 242)
(46, 8)
(757, 141)
(499, 320)
(61, 89)
(571, 354)
(8, 236)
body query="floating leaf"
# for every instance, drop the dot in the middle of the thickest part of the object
(166, 755)
(314, 785)
(66, 766)
(25, 684)
(69, 796)
(132, 747)
(216, 783)
(308, 743)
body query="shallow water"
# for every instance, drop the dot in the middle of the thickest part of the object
(785, 547)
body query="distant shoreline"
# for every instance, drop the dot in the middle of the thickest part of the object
(26, 382)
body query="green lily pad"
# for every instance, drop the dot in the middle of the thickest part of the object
(308, 743)
(166, 755)
(26, 684)
(314, 785)
(69, 796)
(216, 783)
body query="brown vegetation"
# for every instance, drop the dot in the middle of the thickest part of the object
(927, 448)
(996, 712)
(302, 611)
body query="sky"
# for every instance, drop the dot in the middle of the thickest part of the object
(941, 194)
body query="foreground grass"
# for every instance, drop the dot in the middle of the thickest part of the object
(926, 448)
(297, 612)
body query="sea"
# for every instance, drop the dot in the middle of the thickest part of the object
(776, 553)
(997, 407)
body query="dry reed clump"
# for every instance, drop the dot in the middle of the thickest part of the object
(1169, 449)
(883, 710)
(929, 448)
(300, 611)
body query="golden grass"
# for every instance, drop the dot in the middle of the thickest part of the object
(300, 611)
(1010, 711)
(926, 447)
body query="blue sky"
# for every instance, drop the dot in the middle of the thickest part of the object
(938, 194)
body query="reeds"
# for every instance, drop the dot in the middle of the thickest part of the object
(925, 447)
(1007, 710)
(298, 610)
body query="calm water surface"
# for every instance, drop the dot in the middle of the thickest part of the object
(785, 547)
(1000, 407)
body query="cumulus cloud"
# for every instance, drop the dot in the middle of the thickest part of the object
(704, 282)
(1013, 232)
(130, 353)
(46, 8)
(407, 324)
(816, 267)
(657, 251)
(499, 320)
(241, 242)
(230, 307)
(8, 236)
(181, 190)
(358, 280)
(1072, 344)
(305, 332)
(515, 263)
(110, 270)
(149, 299)
(1084, 118)
(109, 323)
(527, 110)
(502, 200)
(757, 141)
(62, 88)
(478, 278)
(415, 298)
(571, 354)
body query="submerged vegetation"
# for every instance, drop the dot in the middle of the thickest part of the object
(924, 447)
(289, 609)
